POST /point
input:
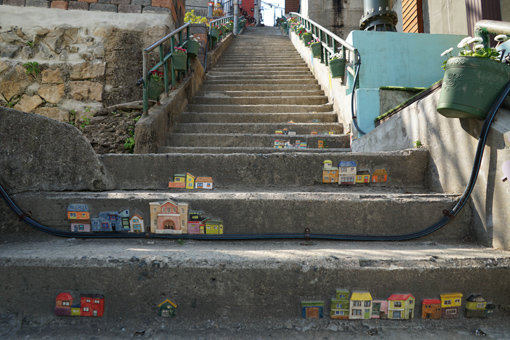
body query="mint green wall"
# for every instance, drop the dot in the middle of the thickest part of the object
(396, 59)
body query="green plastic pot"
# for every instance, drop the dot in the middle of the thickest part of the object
(307, 37)
(179, 61)
(214, 33)
(156, 87)
(337, 67)
(470, 86)
(193, 47)
(316, 49)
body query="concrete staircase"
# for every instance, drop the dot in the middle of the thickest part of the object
(259, 86)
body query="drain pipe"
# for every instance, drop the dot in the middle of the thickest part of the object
(236, 17)
(485, 27)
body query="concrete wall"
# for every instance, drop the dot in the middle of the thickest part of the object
(452, 145)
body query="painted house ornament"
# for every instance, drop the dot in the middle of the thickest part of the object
(167, 309)
(89, 305)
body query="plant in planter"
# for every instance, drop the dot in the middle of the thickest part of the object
(316, 47)
(472, 80)
(193, 46)
(179, 58)
(307, 37)
(337, 65)
(156, 85)
(214, 32)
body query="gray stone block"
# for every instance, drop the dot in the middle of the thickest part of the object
(103, 7)
(37, 3)
(8, 50)
(78, 5)
(130, 8)
(151, 9)
(14, 2)
(121, 2)
(142, 2)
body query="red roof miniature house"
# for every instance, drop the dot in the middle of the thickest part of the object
(401, 306)
(63, 303)
(431, 309)
(204, 183)
(92, 305)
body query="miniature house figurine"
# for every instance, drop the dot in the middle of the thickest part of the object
(136, 224)
(450, 305)
(431, 309)
(63, 303)
(80, 227)
(340, 304)
(78, 212)
(312, 309)
(190, 181)
(167, 309)
(90, 305)
(195, 224)
(379, 309)
(380, 176)
(363, 177)
(204, 183)
(169, 217)
(124, 219)
(401, 306)
(329, 172)
(213, 226)
(360, 305)
(346, 172)
(179, 181)
(476, 306)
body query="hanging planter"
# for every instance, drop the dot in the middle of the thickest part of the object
(316, 49)
(156, 87)
(470, 86)
(307, 37)
(193, 47)
(179, 59)
(214, 33)
(337, 67)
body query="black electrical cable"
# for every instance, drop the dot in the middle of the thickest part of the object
(449, 214)
(353, 97)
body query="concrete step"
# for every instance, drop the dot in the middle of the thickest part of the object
(303, 100)
(249, 81)
(260, 65)
(264, 77)
(258, 87)
(277, 210)
(200, 277)
(247, 117)
(258, 73)
(258, 68)
(253, 140)
(260, 108)
(260, 59)
(241, 94)
(244, 150)
(299, 128)
(406, 169)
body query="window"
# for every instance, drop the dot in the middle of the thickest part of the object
(96, 301)
(451, 311)
(356, 303)
(457, 300)
(85, 309)
(447, 302)
(88, 300)
(480, 305)
(367, 303)
(356, 312)
(65, 303)
(397, 304)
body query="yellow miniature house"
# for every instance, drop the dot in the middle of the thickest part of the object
(450, 305)
(329, 172)
(213, 226)
(190, 181)
(360, 305)
(363, 176)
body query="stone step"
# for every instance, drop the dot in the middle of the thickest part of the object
(246, 117)
(259, 68)
(299, 128)
(258, 65)
(261, 59)
(258, 87)
(275, 211)
(260, 108)
(245, 150)
(253, 140)
(241, 94)
(249, 81)
(304, 100)
(264, 77)
(258, 73)
(269, 278)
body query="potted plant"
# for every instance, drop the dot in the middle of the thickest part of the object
(156, 85)
(214, 32)
(316, 47)
(179, 58)
(337, 65)
(193, 46)
(307, 37)
(472, 80)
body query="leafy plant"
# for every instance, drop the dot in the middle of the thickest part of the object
(129, 144)
(72, 117)
(10, 103)
(157, 75)
(30, 44)
(179, 50)
(84, 122)
(418, 144)
(192, 18)
(32, 68)
(474, 47)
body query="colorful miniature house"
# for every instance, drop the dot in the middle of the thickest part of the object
(401, 306)
(213, 226)
(379, 309)
(329, 172)
(136, 224)
(204, 183)
(476, 307)
(340, 304)
(78, 212)
(80, 227)
(124, 220)
(92, 305)
(363, 177)
(63, 303)
(190, 181)
(107, 221)
(450, 305)
(346, 172)
(195, 224)
(312, 309)
(167, 309)
(431, 309)
(179, 181)
(360, 305)
(169, 217)
(380, 176)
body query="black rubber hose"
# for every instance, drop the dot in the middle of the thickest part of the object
(353, 97)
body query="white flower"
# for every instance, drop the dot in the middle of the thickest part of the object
(479, 47)
(463, 43)
(475, 40)
(448, 51)
(501, 37)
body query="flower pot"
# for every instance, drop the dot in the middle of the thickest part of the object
(156, 87)
(179, 61)
(337, 67)
(193, 47)
(470, 86)
(307, 37)
(316, 49)
(214, 33)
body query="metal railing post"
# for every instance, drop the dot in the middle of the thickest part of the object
(236, 17)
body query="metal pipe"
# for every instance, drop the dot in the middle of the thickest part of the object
(485, 27)
(236, 17)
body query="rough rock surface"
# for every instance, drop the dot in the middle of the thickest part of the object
(42, 154)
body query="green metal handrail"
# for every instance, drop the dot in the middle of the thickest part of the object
(331, 43)
(176, 40)
(217, 24)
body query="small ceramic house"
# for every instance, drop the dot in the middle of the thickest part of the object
(179, 181)
(213, 226)
(167, 309)
(340, 304)
(360, 305)
(363, 177)
(380, 176)
(92, 305)
(431, 309)
(379, 309)
(78, 212)
(312, 309)
(450, 305)
(476, 307)
(107, 221)
(401, 306)
(136, 224)
(80, 227)
(195, 224)
(190, 181)
(169, 217)
(346, 172)
(124, 220)
(329, 172)
(204, 183)
(63, 303)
